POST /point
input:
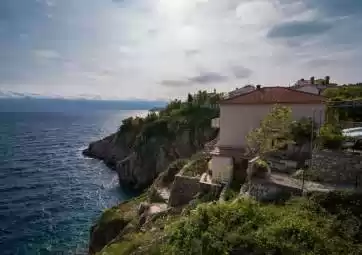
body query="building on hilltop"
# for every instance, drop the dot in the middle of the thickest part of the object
(312, 85)
(243, 113)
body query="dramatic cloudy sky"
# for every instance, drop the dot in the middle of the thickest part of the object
(166, 48)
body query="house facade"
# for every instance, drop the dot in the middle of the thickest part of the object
(243, 113)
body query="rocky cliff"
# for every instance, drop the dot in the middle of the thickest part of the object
(139, 167)
(144, 147)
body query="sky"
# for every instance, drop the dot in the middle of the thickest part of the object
(162, 49)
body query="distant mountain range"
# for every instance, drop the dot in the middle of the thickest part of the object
(15, 101)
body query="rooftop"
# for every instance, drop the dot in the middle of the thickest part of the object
(275, 95)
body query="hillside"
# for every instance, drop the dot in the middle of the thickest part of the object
(144, 147)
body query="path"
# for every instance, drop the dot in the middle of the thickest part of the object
(286, 180)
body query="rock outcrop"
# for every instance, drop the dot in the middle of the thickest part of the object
(103, 234)
(137, 167)
(107, 149)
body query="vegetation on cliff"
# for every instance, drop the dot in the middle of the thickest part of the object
(193, 115)
(320, 224)
(246, 227)
(144, 147)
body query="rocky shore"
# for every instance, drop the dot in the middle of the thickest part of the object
(144, 147)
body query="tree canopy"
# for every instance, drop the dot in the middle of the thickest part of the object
(273, 133)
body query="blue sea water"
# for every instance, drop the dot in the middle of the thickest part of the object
(49, 193)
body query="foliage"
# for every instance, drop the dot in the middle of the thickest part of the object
(179, 117)
(167, 176)
(119, 211)
(346, 208)
(345, 92)
(245, 227)
(273, 133)
(231, 194)
(261, 164)
(339, 94)
(197, 165)
(193, 115)
(330, 136)
(301, 130)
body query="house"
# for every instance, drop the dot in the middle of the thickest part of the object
(243, 113)
(312, 85)
(243, 90)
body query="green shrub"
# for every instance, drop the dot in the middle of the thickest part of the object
(168, 176)
(197, 165)
(301, 130)
(261, 169)
(230, 194)
(330, 137)
(245, 227)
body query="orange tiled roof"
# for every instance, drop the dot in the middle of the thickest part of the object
(275, 95)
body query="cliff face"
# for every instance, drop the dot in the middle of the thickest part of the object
(107, 150)
(139, 167)
(144, 147)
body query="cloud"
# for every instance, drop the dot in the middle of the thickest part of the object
(168, 48)
(202, 78)
(208, 77)
(320, 62)
(192, 52)
(337, 7)
(47, 54)
(175, 83)
(299, 28)
(49, 3)
(241, 72)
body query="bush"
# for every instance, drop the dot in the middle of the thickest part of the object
(261, 169)
(168, 176)
(197, 165)
(245, 227)
(330, 137)
(301, 130)
(230, 194)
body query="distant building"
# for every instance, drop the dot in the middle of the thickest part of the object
(313, 86)
(240, 91)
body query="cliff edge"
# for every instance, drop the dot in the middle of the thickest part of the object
(144, 147)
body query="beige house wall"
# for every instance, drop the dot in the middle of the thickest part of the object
(237, 120)
(222, 168)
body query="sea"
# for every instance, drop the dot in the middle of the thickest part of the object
(50, 195)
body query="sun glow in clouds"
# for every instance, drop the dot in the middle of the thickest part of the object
(168, 48)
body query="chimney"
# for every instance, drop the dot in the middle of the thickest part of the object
(258, 86)
(312, 80)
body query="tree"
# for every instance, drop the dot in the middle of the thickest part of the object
(273, 133)
(189, 98)
(301, 130)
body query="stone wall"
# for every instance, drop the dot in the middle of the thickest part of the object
(184, 189)
(267, 190)
(338, 167)
(211, 189)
